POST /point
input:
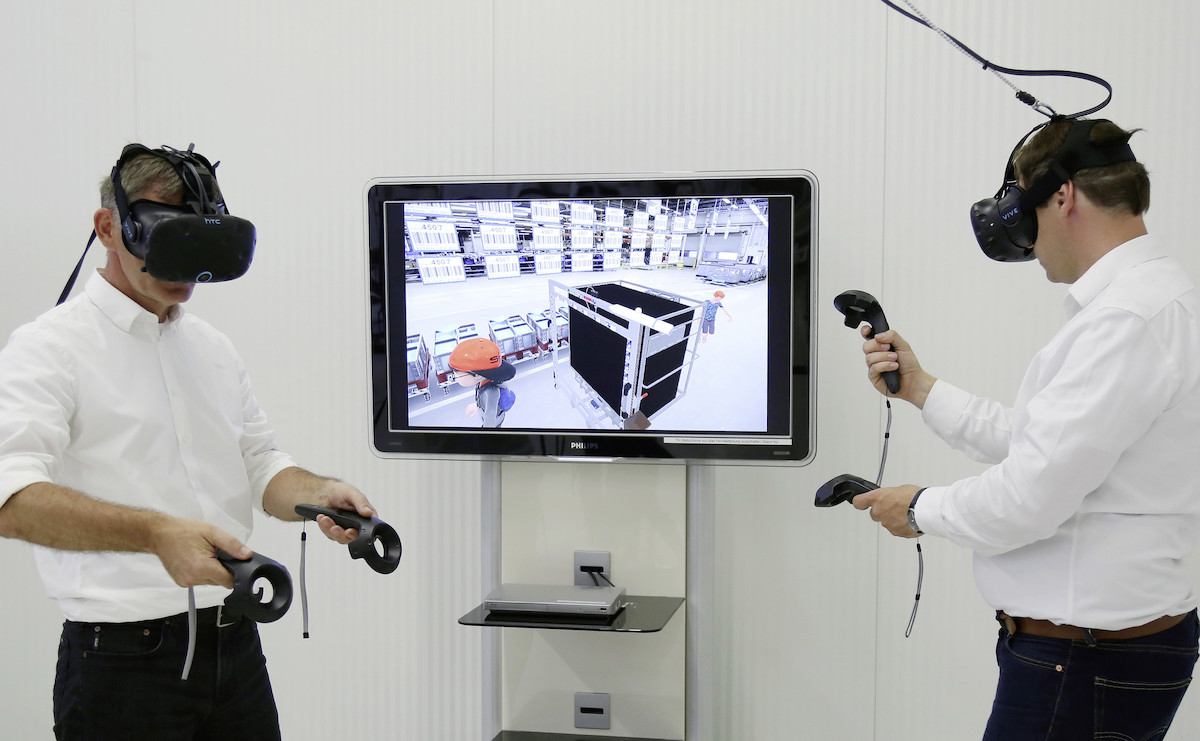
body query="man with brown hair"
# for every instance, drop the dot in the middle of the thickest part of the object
(1081, 525)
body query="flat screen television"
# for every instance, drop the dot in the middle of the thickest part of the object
(638, 317)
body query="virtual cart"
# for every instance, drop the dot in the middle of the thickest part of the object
(630, 352)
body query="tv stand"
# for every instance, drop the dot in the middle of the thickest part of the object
(624, 506)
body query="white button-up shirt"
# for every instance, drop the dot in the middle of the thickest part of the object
(1094, 500)
(96, 395)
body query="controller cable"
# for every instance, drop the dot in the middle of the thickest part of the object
(887, 435)
(999, 71)
(303, 583)
(191, 647)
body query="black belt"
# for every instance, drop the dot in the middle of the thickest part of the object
(1047, 629)
(217, 616)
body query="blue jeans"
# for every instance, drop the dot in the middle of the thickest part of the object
(121, 681)
(1054, 689)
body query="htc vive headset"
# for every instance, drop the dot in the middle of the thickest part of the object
(1006, 225)
(198, 242)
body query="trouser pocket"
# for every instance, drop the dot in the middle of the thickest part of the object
(1136, 711)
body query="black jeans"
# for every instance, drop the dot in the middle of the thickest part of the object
(1055, 689)
(122, 681)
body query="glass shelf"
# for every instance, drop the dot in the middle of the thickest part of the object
(640, 615)
(536, 736)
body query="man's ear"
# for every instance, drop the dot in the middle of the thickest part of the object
(1065, 197)
(108, 229)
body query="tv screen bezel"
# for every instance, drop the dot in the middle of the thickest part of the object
(798, 271)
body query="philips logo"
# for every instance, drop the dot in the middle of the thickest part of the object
(585, 446)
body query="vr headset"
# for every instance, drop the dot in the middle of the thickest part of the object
(1006, 225)
(198, 242)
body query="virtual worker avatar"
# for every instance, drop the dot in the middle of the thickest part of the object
(708, 323)
(477, 362)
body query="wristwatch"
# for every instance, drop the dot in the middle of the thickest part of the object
(912, 515)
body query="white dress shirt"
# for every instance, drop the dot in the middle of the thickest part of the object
(1094, 500)
(96, 395)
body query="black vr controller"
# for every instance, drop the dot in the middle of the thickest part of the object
(370, 529)
(249, 603)
(842, 488)
(859, 307)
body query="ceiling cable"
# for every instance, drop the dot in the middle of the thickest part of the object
(1027, 98)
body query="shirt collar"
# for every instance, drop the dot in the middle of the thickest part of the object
(123, 311)
(1122, 257)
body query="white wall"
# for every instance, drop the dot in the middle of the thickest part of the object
(304, 102)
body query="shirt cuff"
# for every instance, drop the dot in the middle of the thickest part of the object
(12, 482)
(264, 473)
(928, 511)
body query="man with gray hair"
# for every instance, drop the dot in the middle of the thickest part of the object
(132, 448)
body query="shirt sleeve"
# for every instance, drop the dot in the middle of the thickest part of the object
(36, 404)
(1095, 396)
(263, 460)
(978, 427)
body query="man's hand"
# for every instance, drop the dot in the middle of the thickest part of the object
(341, 495)
(186, 549)
(889, 507)
(294, 485)
(888, 351)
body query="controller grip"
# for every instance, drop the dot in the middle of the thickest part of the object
(890, 378)
(370, 530)
(244, 601)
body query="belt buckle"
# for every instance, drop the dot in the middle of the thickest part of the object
(221, 618)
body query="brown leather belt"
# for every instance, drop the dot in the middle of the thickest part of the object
(1047, 629)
